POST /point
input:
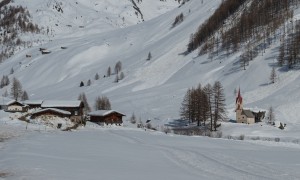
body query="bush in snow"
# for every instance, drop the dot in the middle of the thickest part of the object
(133, 118)
(242, 137)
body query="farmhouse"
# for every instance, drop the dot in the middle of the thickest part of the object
(74, 107)
(51, 112)
(15, 106)
(106, 116)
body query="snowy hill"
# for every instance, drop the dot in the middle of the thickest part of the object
(151, 89)
(77, 18)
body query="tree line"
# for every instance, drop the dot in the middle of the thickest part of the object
(289, 49)
(213, 24)
(204, 104)
(256, 26)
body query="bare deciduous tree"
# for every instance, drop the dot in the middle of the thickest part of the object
(24, 96)
(273, 75)
(16, 89)
(102, 103)
(82, 97)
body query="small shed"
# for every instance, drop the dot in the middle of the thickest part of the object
(51, 112)
(106, 116)
(16, 106)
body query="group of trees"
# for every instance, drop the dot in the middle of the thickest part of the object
(178, 20)
(102, 103)
(251, 25)
(289, 49)
(214, 23)
(13, 21)
(4, 81)
(256, 27)
(204, 104)
(16, 90)
(117, 71)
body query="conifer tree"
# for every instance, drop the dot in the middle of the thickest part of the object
(149, 56)
(96, 76)
(81, 84)
(89, 82)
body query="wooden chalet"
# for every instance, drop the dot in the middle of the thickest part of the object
(15, 106)
(32, 104)
(106, 116)
(51, 112)
(74, 107)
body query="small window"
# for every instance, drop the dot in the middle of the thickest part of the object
(76, 113)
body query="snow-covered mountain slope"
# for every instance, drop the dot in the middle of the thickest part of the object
(81, 17)
(151, 89)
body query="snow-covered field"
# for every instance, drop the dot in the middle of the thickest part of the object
(124, 153)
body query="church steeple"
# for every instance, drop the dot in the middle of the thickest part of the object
(239, 101)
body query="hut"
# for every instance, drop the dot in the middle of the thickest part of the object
(106, 116)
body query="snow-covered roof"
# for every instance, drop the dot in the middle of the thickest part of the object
(14, 101)
(53, 109)
(58, 103)
(104, 113)
(33, 102)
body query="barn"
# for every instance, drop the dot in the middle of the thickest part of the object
(106, 116)
(74, 107)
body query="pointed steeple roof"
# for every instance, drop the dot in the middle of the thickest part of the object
(239, 98)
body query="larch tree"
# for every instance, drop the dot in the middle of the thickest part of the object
(118, 67)
(82, 97)
(185, 111)
(96, 76)
(24, 96)
(16, 89)
(210, 99)
(219, 104)
(108, 73)
(273, 75)
(149, 56)
(89, 82)
(271, 116)
(102, 103)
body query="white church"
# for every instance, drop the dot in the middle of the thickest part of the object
(243, 115)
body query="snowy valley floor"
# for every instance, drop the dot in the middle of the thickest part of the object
(124, 153)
